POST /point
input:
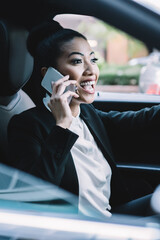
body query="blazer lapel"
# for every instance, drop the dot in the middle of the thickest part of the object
(95, 125)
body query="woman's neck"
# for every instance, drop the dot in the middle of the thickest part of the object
(75, 110)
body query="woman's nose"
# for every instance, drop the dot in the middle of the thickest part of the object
(89, 69)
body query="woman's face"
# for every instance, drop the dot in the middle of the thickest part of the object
(79, 62)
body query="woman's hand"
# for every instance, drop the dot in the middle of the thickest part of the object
(59, 105)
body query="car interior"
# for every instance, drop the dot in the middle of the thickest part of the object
(16, 64)
(16, 67)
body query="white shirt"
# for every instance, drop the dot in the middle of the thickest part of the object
(94, 172)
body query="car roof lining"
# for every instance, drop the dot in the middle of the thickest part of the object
(125, 15)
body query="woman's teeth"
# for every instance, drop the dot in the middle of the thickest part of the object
(89, 83)
(88, 86)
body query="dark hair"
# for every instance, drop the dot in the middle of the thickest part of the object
(45, 44)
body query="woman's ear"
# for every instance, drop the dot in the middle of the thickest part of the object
(43, 71)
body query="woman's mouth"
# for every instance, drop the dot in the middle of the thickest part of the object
(88, 86)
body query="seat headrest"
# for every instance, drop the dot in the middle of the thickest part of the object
(16, 63)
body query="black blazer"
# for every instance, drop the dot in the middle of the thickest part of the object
(39, 147)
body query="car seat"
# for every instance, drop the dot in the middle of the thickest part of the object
(16, 66)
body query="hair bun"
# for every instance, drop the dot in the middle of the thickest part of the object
(40, 32)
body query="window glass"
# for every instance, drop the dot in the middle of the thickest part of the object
(122, 58)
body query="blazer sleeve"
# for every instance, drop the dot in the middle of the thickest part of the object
(33, 149)
(134, 135)
(133, 119)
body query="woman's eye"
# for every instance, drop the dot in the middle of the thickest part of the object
(94, 60)
(76, 61)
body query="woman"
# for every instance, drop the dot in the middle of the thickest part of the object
(68, 144)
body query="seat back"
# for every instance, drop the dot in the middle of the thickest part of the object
(16, 66)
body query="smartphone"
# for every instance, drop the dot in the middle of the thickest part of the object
(52, 75)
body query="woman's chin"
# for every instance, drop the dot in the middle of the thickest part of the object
(85, 99)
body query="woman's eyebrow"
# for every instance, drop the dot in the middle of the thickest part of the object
(79, 53)
(72, 53)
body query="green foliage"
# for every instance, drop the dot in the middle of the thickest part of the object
(120, 75)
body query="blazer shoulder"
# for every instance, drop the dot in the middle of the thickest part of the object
(36, 115)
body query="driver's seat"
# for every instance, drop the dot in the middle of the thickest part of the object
(15, 69)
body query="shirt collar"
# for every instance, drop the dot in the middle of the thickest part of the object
(46, 100)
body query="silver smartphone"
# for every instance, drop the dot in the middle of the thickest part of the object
(52, 75)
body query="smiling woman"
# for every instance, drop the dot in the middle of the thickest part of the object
(81, 66)
(68, 143)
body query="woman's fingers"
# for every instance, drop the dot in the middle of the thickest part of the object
(55, 85)
(60, 99)
(65, 86)
(65, 78)
(60, 108)
(63, 99)
(67, 94)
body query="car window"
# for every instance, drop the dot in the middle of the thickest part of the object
(126, 64)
